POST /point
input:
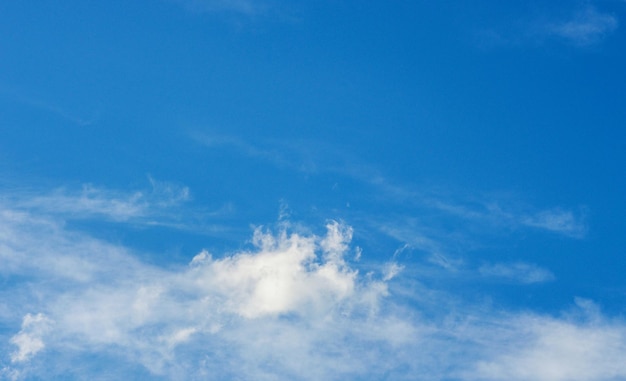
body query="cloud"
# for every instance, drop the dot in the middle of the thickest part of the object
(161, 204)
(288, 297)
(487, 212)
(29, 339)
(519, 272)
(556, 220)
(586, 27)
(91, 201)
(559, 350)
(581, 26)
(290, 305)
(283, 277)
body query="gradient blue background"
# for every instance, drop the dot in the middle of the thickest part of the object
(454, 121)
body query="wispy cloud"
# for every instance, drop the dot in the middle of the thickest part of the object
(50, 107)
(587, 26)
(91, 201)
(556, 220)
(518, 272)
(442, 225)
(559, 221)
(558, 350)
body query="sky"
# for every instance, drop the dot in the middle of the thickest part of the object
(328, 190)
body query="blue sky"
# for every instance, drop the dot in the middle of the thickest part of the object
(330, 190)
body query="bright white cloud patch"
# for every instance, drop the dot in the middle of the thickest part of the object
(284, 276)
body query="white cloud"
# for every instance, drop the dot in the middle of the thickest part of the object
(520, 272)
(284, 276)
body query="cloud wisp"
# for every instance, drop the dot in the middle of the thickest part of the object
(588, 26)
(554, 220)
(291, 306)
(578, 26)
(92, 201)
(300, 157)
(517, 272)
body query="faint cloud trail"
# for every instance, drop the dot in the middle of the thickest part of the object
(588, 26)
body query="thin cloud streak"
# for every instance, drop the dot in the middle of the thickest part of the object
(70, 116)
(517, 272)
(91, 201)
(300, 157)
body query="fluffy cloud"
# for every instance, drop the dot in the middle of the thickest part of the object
(284, 276)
